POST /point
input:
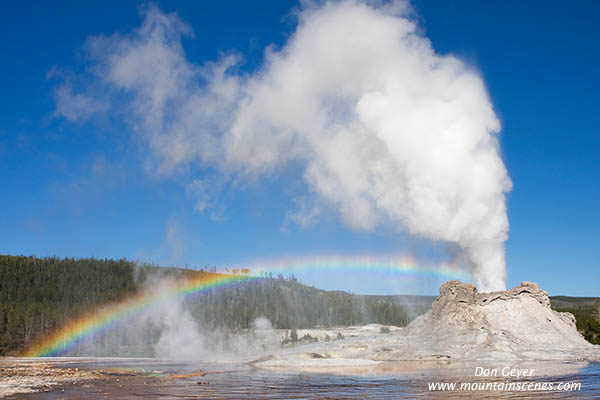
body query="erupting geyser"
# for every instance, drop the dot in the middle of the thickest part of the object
(384, 129)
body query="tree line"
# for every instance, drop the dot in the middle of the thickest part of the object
(39, 295)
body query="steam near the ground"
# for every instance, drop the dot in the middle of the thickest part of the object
(384, 128)
(182, 338)
(167, 329)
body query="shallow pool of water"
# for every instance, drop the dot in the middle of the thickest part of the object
(145, 378)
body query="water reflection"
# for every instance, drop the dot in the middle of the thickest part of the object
(400, 380)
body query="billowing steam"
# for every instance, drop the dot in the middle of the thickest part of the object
(384, 128)
(170, 328)
(180, 337)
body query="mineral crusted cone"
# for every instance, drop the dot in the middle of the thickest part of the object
(515, 324)
(509, 327)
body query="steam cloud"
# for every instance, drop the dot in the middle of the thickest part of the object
(384, 128)
(168, 329)
(181, 337)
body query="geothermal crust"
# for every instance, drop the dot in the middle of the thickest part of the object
(465, 325)
(515, 324)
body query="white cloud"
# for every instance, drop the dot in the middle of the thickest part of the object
(385, 128)
(76, 107)
(207, 194)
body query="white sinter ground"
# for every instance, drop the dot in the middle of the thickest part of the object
(515, 325)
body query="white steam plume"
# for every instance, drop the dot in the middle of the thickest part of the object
(181, 337)
(167, 329)
(385, 128)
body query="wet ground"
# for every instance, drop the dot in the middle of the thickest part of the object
(95, 378)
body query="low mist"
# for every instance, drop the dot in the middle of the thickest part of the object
(166, 329)
(236, 322)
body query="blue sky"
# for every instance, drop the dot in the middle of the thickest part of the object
(86, 188)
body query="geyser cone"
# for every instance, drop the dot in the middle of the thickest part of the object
(509, 326)
(515, 324)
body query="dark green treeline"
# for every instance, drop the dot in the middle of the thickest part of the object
(38, 295)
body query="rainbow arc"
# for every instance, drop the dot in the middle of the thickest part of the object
(106, 317)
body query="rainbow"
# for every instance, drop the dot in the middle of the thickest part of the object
(400, 266)
(103, 319)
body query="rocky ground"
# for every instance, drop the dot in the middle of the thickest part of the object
(19, 376)
(463, 325)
